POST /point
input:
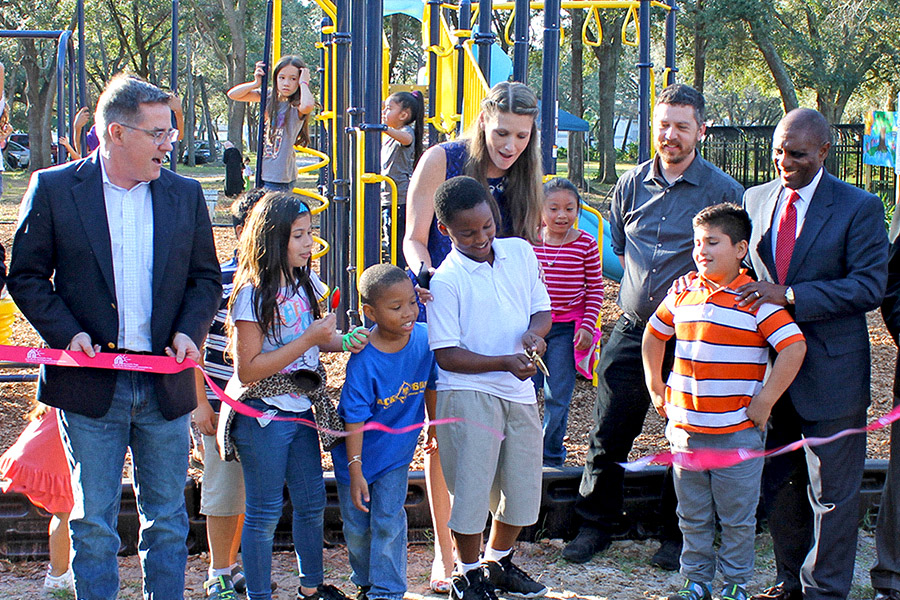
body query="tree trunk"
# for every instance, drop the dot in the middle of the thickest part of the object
(207, 119)
(701, 45)
(190, 104)
(607, 67)
(763, 40)
(394, 43)
(575, 154)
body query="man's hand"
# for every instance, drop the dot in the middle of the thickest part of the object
(183, 347)
(520, 365)
(81, 342)
(756, 293)
(682, 283)
(205, 418)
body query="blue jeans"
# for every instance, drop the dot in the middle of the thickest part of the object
(277, 186)
(558, 388)
(376, 540)
(96, 450)
(731, 493)
(280, 452)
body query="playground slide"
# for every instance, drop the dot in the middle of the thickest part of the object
(611, 267)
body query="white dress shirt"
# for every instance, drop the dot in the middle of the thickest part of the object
(129, 214)
(802, 205)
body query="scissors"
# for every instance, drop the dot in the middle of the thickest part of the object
(534, 357)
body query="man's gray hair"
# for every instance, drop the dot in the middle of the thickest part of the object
(121, 101)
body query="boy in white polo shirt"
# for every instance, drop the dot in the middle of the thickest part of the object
(489, 307)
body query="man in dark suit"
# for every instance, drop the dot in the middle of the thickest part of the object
(115, 254)
(819, 247)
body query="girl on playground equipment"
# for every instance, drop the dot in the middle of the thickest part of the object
(35, 465)
(403, 116)
(5, 127)
(277, 329)
(288, 106)
(570, 261)
(500, 149)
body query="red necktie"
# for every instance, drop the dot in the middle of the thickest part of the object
(787, 236)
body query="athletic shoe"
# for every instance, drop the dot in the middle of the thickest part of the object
(471, 586)
(732, 591)
(220, 588)
(668, 556)
(692, 590)
(323, 592)
(66, 581)
(239, 581)
(507, 577)
(586, 544)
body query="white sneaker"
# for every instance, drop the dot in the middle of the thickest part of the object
(66, 581)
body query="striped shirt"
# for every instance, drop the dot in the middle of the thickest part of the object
(217, 365)
(721, 354)
(574, 279)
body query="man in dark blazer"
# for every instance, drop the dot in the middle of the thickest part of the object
(819, 247)
(115, 254)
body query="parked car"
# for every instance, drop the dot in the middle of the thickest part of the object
(16, 156)
(22, 140)
(201, 152)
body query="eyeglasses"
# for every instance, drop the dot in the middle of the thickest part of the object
(160, 136)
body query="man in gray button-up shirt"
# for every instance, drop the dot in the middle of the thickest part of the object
(650, 224)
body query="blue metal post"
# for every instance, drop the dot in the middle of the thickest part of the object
(357, 114)
(263, 94)
(82, 76)
(520, 48)
(373, 128)
(549, 83)
(339, 240)
(173, 81)
(671, 66)
(434, 39)
(326, 175)
(484, 38)
(644, 65)
(62, 48)
(465, 24)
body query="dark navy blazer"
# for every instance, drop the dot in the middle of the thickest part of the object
(61, 277)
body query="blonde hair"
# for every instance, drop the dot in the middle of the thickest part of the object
(523, 189)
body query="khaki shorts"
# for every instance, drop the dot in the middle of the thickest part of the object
(485, 474)
(222, 492)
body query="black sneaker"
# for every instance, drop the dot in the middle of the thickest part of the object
(586, 544)
(323, 592)
(507, 577)
(362, 592)
(471, 586)
(668, 556)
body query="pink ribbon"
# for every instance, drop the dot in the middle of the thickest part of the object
(706, 459)
(166, 365)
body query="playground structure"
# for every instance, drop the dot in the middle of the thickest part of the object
(353, 85)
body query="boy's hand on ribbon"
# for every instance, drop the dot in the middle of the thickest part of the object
(359, 488)
(534, 342)
(583, 339)
(520, 366)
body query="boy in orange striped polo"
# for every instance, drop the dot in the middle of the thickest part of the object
(715, 397)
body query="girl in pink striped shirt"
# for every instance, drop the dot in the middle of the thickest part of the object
(573, 275)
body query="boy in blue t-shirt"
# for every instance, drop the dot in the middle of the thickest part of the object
(388, 382)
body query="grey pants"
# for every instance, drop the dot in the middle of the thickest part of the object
(732, 494)
(886, 572)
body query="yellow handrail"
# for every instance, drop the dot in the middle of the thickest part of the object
(509, 22)
(631, 16)
(567, 4)
(378, 178)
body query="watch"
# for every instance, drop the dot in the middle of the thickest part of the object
(789, 295)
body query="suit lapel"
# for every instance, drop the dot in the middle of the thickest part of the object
(164, 213)
(87, 194)
(764, 248)
(816, 215)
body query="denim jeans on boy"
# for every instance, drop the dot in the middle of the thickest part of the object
(560, 361)
(376, 540)
(280, 452)
(159, 449)
(731, 493)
